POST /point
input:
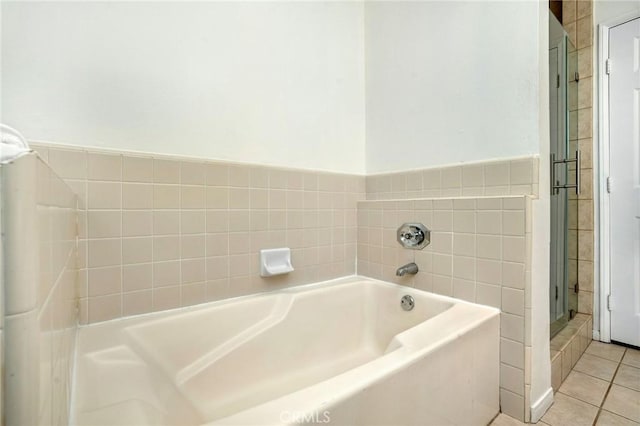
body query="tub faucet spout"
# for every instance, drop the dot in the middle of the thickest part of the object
(409, 268)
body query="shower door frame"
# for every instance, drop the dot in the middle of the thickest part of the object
(562, 201)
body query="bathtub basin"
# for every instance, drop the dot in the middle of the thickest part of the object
(339, 352)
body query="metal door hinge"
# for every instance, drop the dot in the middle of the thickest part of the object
(607, 66)
(558, 80)
(556, 187)
(576, 287)
(556, 292)
(576, 77)
(608, 184)
(610, 303)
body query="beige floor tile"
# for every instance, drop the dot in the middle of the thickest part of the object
(624, 402)
(569, 411)
(609, 419)
(585, 388)
(596, 366)
(628, 376)
(606, 350)
(504, 420)
(632, 357)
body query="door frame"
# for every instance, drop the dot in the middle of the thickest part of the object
(602, 214)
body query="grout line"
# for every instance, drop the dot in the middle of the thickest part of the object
(601, 357)
(580, 400)
(590, 375)
(606, 394)
(610, 385)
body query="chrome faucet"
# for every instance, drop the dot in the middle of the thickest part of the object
(409, 268)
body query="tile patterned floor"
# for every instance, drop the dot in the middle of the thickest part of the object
(602, 389)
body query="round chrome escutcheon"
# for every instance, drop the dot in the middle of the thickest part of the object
(407, 302)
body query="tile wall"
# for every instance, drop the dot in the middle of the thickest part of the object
(568, 346)
(506, 177)
(479, 251)
(577, 20)
(40, 280)
(164, 232)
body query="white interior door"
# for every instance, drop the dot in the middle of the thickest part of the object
(624, 137)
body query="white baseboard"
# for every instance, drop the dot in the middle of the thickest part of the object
(541, 405)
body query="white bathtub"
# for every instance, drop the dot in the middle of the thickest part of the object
(341, 352)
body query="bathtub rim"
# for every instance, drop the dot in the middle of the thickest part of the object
(349, 279)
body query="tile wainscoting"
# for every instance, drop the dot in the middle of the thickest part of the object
(480, 251)
(517, 176)
(39, 284)
(161, 232)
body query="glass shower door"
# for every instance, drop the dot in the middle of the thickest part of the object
(563, 104)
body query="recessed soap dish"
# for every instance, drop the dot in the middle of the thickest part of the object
(275, 262)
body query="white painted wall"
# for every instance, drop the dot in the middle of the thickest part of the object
(280, 83)
(449, 82)
(604, 10)
(541, 391)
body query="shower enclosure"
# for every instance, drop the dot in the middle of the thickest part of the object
(565, 161)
